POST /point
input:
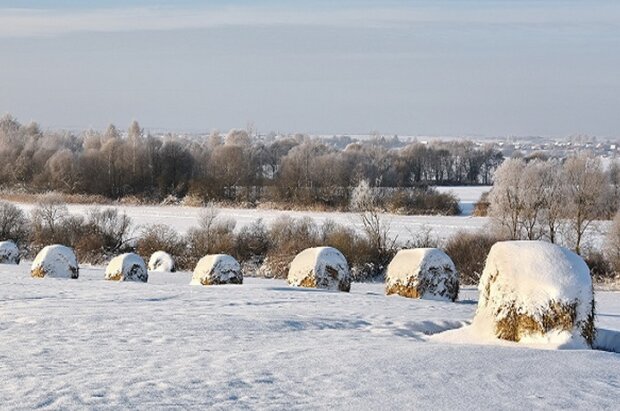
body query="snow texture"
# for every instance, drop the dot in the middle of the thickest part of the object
(215, 269)
(56, 261)
(538, 283)
(320, 267)
(162, 261)
(127, 267)
(9, 253)
(422, 273)
(183, 218)
(63, 345)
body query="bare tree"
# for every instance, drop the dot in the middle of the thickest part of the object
(376, 228)
(506, 198)
(586, 185)
(554, 193)
(50, 213)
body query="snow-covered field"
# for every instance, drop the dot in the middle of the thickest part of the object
(90, 343)
(402, 227)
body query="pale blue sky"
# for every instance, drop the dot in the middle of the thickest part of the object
(447, 67)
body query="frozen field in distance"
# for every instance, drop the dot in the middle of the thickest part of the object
(402, 227)
(183, 218)
(89, 343)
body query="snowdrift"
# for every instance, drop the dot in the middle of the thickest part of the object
(163, 262)
(9, 253)
(127, 267)
(422, 273)
(57, 261)
(538, 293)
(320, 267)
(215, 269)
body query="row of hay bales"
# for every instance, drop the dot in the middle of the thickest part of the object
(527, 288)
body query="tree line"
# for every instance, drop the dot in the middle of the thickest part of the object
(554, 200)
(234, 167)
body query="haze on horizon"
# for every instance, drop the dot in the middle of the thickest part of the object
(473, 67)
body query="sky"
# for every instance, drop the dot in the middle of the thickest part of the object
(436, 68)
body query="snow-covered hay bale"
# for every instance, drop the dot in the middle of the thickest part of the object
(127, 267)
(215, 269)
(320, 267)
(57, 261)
(163, 262)
(9, 253)
(422, 273)
(537, 292)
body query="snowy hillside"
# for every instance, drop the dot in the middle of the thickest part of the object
(90, 343)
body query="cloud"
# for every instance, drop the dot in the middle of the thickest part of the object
(38, 22)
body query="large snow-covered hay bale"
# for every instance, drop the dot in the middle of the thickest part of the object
(422, 273)
(215, 269)
(56, 261)
(161, 261)
(127, 267)
(9, 253)
(537, 292)
(320, 267)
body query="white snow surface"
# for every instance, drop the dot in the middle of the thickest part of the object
(315, 261)
(161, 261)
(264, 345)
(129, 266)
(57, 261)
(531, 274)
(9, 253)
(402, 227)
(411, 265)
(216, 268)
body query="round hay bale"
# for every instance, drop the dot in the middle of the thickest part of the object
(537, 292)
(9, 253)
(56, 261)
(422, 273)
(320, 267)
(161, 261)
(127, 267)
(215, 269)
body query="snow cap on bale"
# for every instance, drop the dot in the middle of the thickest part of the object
(536, 292)
(163, 262)
(9, 253)
(217, 269)
(57, 261)
(127, 267)
(422, 273)
(320, 267)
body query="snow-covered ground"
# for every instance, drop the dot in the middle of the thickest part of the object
(90, 343)
(402, 227)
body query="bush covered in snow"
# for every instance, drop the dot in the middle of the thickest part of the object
(56, 261)
(127, 267)
(9, 253)
(215, 269)
(535, 291)
(162, 261)
(320, 267)
(422, 273)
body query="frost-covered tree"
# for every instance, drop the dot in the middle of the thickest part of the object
(506, 200)
(553, 195)
(586, 186)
